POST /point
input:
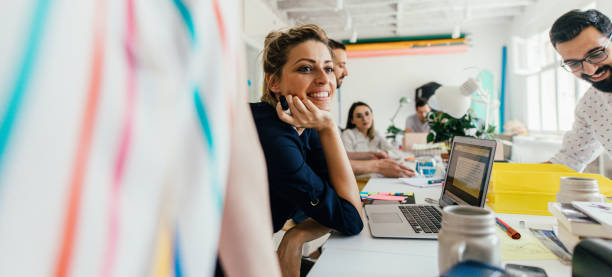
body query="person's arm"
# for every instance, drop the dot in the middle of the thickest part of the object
(245, 245)
(290, 249)
(579, 144)
(306, 114)
(366, 155)
(340, 172)
(386, 167)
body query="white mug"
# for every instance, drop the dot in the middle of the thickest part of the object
(467, 233)
(579, 189)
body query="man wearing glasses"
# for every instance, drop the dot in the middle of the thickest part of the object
(582, 39)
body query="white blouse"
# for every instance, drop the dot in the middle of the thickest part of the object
(355, 141)
(591, 132)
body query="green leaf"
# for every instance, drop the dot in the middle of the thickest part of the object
(431, 137)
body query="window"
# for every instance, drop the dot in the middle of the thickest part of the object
(552, 92)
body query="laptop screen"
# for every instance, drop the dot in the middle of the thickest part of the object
(468, 173)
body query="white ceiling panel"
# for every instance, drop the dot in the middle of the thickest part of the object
(387, 18)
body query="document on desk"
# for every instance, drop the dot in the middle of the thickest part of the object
(528, 247)
(421, 181)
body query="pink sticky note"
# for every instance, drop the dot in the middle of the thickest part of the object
(386, 197)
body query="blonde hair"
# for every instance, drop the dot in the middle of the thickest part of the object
(276, 51)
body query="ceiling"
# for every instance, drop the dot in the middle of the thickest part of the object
(346, 19)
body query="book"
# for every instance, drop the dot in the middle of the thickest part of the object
(577, 222)
(568, 239)
(600, 212)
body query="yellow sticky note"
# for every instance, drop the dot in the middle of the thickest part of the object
(528, 247)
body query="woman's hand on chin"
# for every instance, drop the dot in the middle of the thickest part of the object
(304, 114)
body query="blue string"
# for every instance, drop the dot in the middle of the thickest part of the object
(186, 15)
(207, 132)
(201, 111)
(205, 125)
(178, 268)
(20, 87)
(502, 94)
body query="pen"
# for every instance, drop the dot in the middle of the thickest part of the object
(509, 230)
(435, 181)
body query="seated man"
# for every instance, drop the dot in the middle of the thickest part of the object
(417, 123)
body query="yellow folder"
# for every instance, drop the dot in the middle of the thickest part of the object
(527, 188)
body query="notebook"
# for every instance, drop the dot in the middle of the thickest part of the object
(466, 183)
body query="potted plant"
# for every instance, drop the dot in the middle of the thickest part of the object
(443, 127)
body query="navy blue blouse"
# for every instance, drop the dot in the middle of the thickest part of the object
(298, 175)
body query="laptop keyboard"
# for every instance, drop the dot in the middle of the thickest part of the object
(422, 219)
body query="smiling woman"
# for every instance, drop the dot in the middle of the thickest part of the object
(308, 170)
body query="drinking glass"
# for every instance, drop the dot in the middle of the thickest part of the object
(426, 166)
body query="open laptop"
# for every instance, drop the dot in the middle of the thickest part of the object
(466, 183)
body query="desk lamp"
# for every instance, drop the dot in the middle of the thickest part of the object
(456, 101)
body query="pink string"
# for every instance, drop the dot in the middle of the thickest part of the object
(124, 145)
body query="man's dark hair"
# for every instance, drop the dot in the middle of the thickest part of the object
(334, 44)
(569, 25)
(420, 103)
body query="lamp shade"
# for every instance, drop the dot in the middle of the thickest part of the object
(451, 100)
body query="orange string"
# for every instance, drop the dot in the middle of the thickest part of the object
(83, 147)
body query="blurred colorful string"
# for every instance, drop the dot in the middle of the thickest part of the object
(187, 19)
(84, 143)
(22, 82)
(200, 108)
(178, 271)
(220, 24)
(124, 145)
(161, 260)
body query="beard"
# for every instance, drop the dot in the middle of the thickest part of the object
(603, 85)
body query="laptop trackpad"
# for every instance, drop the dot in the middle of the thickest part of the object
(386, 218)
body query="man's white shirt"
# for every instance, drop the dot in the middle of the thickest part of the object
(591, 132)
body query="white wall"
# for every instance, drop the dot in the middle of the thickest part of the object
(258, 21)
(381, 81)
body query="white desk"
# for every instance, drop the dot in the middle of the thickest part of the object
(363, 255)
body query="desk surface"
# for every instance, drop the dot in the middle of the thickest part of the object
(363, 255)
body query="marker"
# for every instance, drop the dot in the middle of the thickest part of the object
(509, 230)
(435, 181)
(366, 195)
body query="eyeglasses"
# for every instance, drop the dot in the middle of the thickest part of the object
(595, 57)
